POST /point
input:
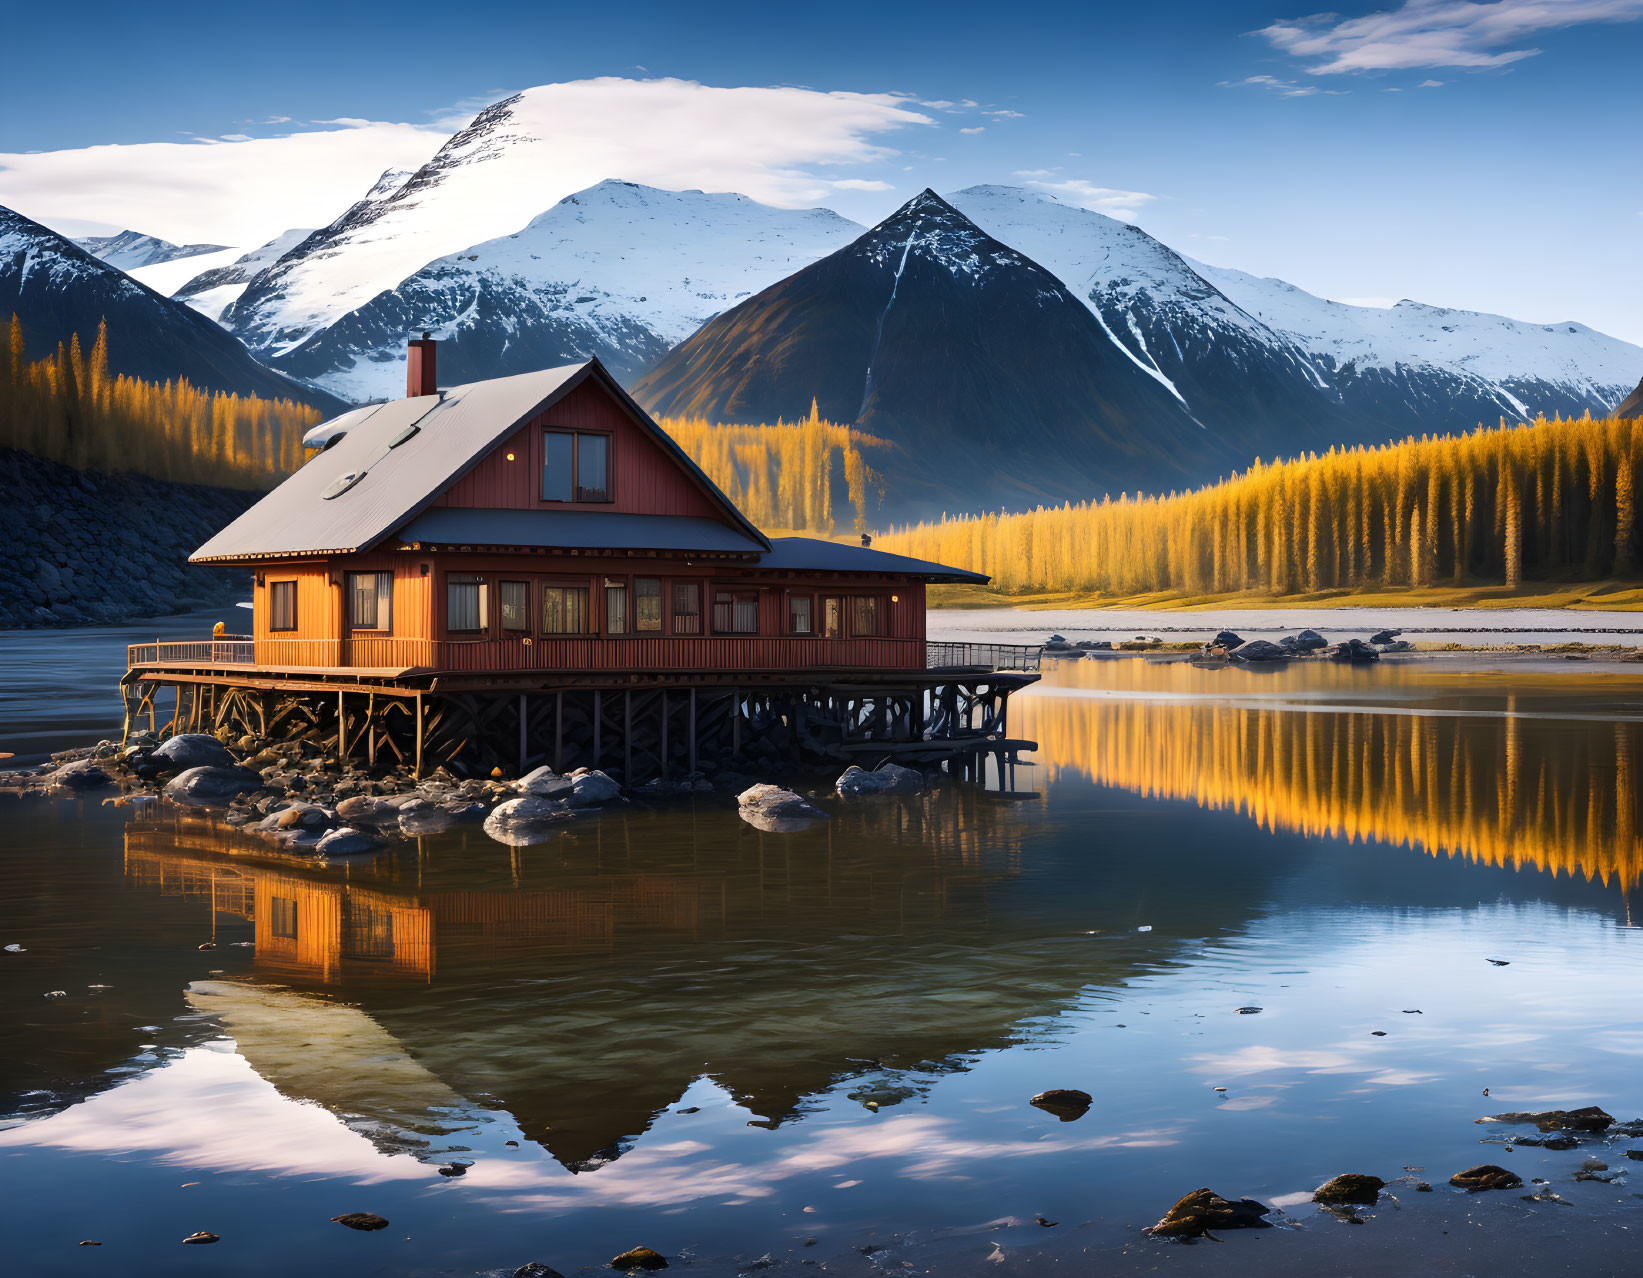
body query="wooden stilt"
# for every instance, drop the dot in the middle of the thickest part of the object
(627, 737)
(523, 734)
(342, 729)
(559, 732)
(692, 730)
(598, 720)
(417, 771)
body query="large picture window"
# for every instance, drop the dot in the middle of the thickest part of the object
(514, 599)
(866, 616)
(736, 612)
(464, 603)
(371, 600)
(687, 608)
(282, 605)
(575, 466)
(564, 610)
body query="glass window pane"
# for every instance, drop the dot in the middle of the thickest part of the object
(364, 608)
(592, 468)
(558, 465)
(798, 614)
(687, 608)
(747, 614)
(616, 607)
(647, 603)
(576, 610)
(516, 605)
(864, 618)
(385, 601)
(462, 595)
(282, 605)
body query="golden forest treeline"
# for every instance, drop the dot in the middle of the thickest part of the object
(68, 408)
(781, 476)
(1549, 500)
(1476, 787)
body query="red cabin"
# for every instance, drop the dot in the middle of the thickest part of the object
(544, 523)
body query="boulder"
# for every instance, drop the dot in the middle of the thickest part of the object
(194, 750)
(1258, 650)
(211, 785)
(346, 841)
(524, 820)
(1204, 1209)
(423, 817)
(590, 788)
(1485, 1176)
(1349, 1187)
(777, 811)
(1226, 639)
(1384, 636)
(1066, 1103)
(1095, 645)
(82, 774)
(545, 783)
(1588, 1119)
(1353, 650)
(536, 1269)
(887, 778)
(361, 1220)
(1398, 645)
(638, 1258)
(367, 809)
(1309, 641)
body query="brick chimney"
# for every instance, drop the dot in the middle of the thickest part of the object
(419, 367)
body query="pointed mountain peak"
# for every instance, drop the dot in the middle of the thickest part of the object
(930, 228)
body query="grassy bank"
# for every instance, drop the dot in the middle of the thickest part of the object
(1597, 596)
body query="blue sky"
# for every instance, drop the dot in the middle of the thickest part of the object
(1484, 155)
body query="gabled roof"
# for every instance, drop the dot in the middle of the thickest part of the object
(454, 431)
(812, 554)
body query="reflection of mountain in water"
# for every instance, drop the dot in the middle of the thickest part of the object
(1520, 787)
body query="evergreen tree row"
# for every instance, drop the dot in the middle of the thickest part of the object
(68, 408)
(781, 476)
(1549, 500)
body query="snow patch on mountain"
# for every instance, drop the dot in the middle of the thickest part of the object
(131, 249)
(1510, 355)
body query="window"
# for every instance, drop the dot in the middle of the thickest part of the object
(865, 615)
(282, 917)
(687, 608)
(647, 603)
(575, 466)
(282, 605)
(516, 605)
(616, 606)
(736, 612)
(564, 610)
(833, 616)
(799, 621)
(372, 600)
(464, 603)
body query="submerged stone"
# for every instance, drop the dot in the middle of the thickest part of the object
(194, 750)
(211, 785)
(1204, 1209)
(639, 1258)
(1485, 1176)
(1587, 1119)
(887, 778)
(1066, 1103)
(1349, 1187)
(361, 1220)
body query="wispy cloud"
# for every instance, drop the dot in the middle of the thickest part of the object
(1478, 34)
(980, 128)
(782, 145)
(1005, 115)
(1101, 199)
(1283, 88)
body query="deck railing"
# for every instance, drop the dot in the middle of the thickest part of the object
(985, 656)
(223, 650)
(632, 653)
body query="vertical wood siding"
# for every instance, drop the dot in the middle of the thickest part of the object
(644, 477)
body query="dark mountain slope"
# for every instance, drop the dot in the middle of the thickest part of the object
(997, 385)
(58, 289)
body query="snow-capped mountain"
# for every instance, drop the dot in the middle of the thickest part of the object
(1279, 368)
(620, 271)
(131, 249)
(1447, 369)
(58, 289)
(211, 284)
(995, 381)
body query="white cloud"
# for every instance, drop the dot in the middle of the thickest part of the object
(1436, 33)
(781, 145)
(1283, 88)
(1430, 84)
(1005, 115)
(861, 184)
(980, 128)
(1101, 199)
(1036, 173)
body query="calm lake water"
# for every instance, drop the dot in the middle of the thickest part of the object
(665, 1028)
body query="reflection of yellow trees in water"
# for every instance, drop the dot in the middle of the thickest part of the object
(1557, 795)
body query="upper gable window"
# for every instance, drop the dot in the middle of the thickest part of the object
(575, 466)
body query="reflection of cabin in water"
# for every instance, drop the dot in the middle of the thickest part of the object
(453, 563)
